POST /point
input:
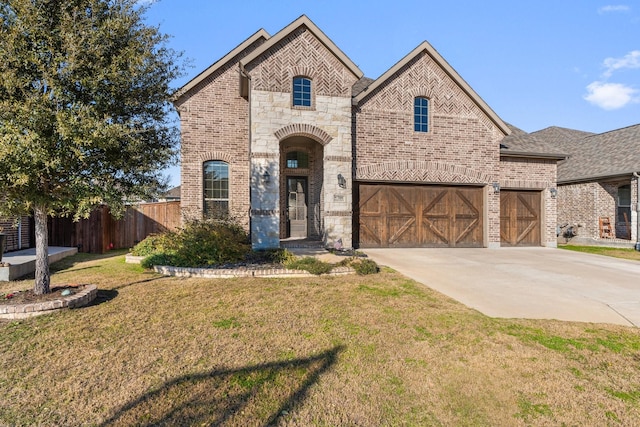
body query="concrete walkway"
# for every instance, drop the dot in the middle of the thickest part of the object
(23, 262)
(535, 283)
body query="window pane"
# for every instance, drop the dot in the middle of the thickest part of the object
(216, 189)
(421, 114)
(302, 91)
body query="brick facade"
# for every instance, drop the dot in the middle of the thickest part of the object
(242, 113)
(581, 205)
(539, 175)
(322, 130)
(461, 147)
(214, 121)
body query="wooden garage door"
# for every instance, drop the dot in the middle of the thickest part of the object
(419, 216)
(520, 218)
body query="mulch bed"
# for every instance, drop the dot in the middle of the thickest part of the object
(28, 297)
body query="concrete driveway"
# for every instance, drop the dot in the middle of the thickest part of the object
(534, 283)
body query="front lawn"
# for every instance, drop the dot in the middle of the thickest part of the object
(625, 253)
(322, 351)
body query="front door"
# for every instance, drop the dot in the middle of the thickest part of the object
(297, 207)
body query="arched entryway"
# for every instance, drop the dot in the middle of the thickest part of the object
(301, 181)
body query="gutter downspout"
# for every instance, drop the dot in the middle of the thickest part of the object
(637, 177)
(243, 73)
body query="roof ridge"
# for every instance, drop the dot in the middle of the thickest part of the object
(614, 130)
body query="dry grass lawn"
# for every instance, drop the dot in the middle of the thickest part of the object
(327, 351)
(626, 253)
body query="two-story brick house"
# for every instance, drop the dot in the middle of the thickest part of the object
(286, 134)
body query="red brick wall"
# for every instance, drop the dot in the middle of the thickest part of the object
(215, 126)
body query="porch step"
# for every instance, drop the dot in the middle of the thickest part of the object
(301, 243)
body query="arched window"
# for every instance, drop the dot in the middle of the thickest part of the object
(421, 114)
(216, 189)
(301, 92)
(297, 160)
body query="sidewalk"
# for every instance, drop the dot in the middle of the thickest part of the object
(23, 262)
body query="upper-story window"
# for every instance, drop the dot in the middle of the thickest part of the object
(297, 160)
(216, 189)
(421, 114)
(301, 92)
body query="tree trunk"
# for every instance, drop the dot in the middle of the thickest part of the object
(43, 280)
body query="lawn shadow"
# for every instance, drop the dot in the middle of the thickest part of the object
(256, 395)
(137, 282)
(104, 295)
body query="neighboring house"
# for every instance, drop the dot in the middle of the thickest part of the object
(597, 184)
(286, 134)
(19, 232)
(170, 195)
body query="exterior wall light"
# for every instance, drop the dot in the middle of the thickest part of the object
(342, 183)
(554, 192)
(496, 188)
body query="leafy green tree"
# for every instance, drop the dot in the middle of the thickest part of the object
(85, 117)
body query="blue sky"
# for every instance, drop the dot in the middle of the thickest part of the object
(566, 63)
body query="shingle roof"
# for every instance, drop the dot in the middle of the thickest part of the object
(589, 156)
(520, 143)
(607, 154)
(361, 85)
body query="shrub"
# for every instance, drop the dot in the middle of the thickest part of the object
(310, 264)
(280, 256)
(197, 244)
(157, 259)
(155, 243)
(365, 266)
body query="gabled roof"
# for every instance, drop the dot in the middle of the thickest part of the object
(605, 155)
(260, 34)
(286, 31)
(558, 135)
(522, 144)
(426, 47)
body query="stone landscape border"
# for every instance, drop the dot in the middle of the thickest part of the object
(227, 273)
(23, 311)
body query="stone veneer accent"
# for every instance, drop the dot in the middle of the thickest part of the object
(324, 130)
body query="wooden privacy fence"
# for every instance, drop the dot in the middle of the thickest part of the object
(101, 232)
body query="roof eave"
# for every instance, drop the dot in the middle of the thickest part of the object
(304, 20)
(219, 63)
(431, 51)
(530, 155)
(596, 177)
